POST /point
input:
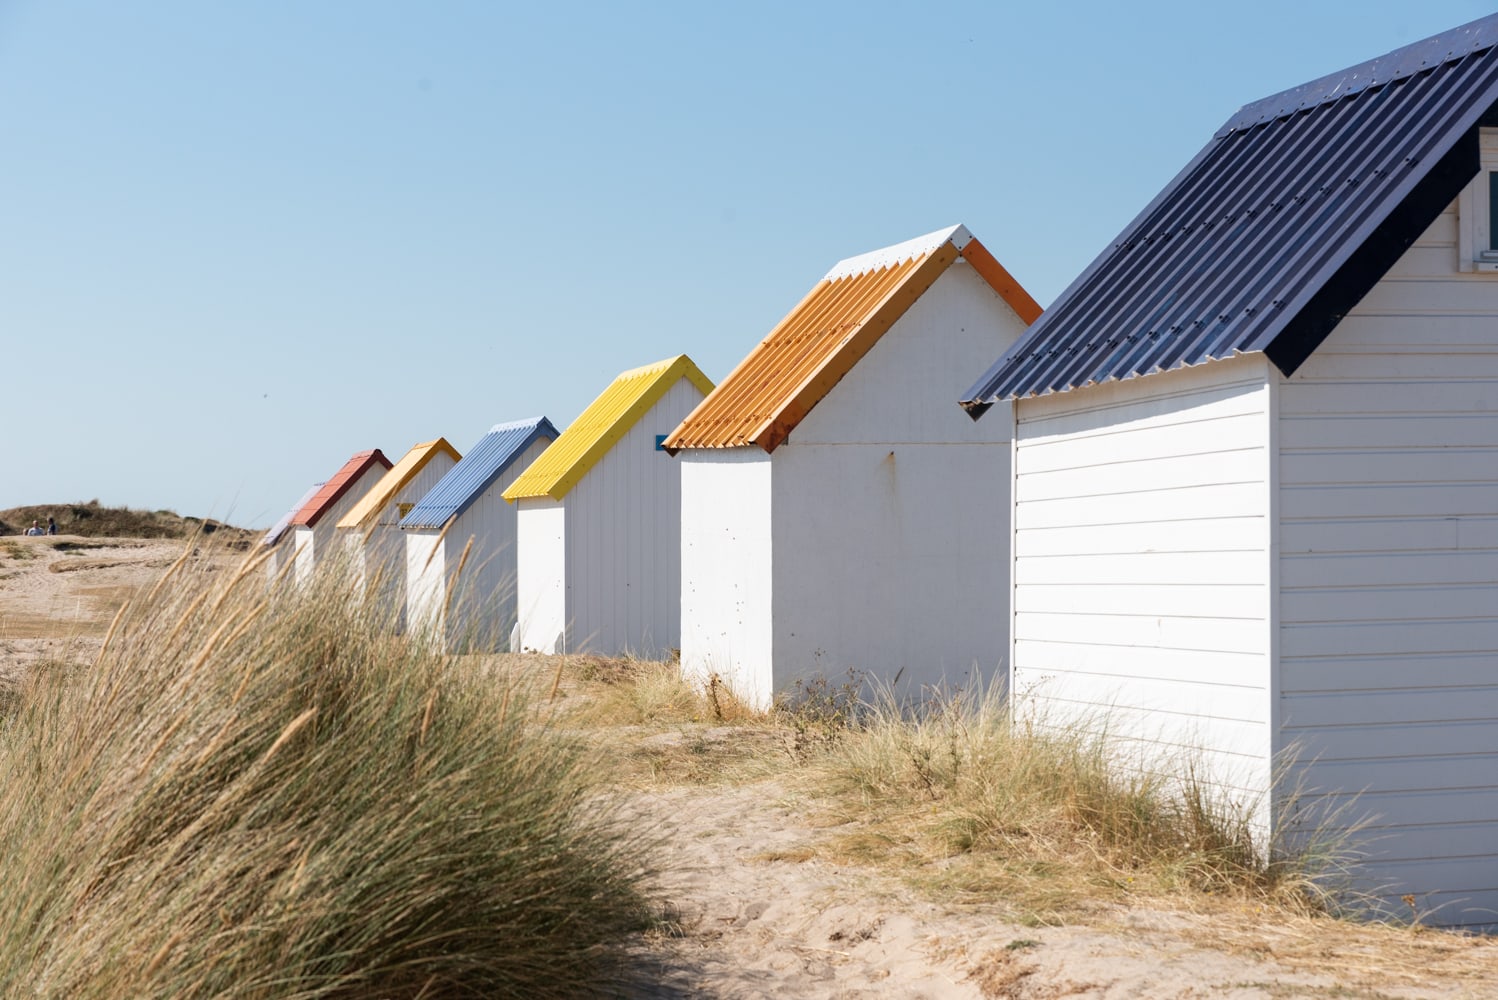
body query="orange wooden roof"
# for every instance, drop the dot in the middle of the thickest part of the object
(840, 320)
(334, 489)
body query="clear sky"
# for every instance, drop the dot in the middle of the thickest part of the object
(239, 242)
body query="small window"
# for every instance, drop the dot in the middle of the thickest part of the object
(1477, 210)
(404, 508)
(660, 442)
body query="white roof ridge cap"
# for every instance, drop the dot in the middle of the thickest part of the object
(511, 425)
(957, 235)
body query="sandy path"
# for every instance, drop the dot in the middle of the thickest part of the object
(787, 930)
(59, 594)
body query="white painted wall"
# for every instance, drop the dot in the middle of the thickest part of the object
(378, 552)
(624, 540)
(281, 555)
(426, 590)
(318, 542)
(887, 519)
(541, 582)
(891, 504)
(726, 559)
(1142, 564)
(1388, 570)
(481, 600)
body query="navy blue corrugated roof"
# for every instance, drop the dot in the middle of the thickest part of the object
(477, 471)
(279, 528)
(1293, 211)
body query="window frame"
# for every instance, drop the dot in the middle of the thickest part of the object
(1477, 242)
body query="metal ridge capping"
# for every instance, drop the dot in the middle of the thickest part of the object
(599, 427)
(819, 341)
(1267, 236)
(476, 472)
(1396, 65)
(411, 463)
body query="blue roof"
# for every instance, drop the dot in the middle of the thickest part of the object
(1298, 205)
(484, 463)
(279, 528)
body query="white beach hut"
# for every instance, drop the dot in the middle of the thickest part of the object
(460, 542)
(839, 512)
(280, 541)
(599, 522)
(371, 529)
(1256, 470)
(313, 526)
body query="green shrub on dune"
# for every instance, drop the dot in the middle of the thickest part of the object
(271, 797)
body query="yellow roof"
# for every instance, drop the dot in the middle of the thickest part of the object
(775, 387)
(607, 419)
(392, 482)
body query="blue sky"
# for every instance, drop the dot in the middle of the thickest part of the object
(240, 242)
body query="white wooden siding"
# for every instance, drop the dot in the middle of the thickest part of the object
(1142, 543)
(384, 549)
(888, 560)
(317, 543)
(727, 627)
(483, 597)
(541, 581)
(281, 555)
(1389, 570)
(905, 389)
(426, 590)
(624, 540)
(891, 508)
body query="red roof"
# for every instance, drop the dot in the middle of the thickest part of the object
(334, 489)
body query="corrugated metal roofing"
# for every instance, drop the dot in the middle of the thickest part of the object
(282, 526)
(363, 513)
(818, 342)
(607, 419)
(1293, 211)
(485, 462)
(333, 490)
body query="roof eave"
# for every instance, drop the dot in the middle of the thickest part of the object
(774, 432)
(1333, 297)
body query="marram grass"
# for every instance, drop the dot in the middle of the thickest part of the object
(254, 795)
(1057, 818)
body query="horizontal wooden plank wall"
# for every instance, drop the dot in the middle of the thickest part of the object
(1389, 575)
(1141, 583)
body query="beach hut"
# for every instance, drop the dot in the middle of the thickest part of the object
(314, 526)
(371, 527)
(279, 542)
(460, 542)
(598, 522)
(1256, 469)
(839, 512)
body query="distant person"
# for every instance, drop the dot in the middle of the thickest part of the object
(51, 526)
(35, 529)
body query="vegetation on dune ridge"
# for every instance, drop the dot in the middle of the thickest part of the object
(964, 802)
(1060, 817)
(94, 520)
(260, 796)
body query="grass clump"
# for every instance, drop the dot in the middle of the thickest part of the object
(252, 796)
(1053, 818)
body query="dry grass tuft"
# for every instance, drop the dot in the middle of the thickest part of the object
(1052, 818)
(252, 796)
